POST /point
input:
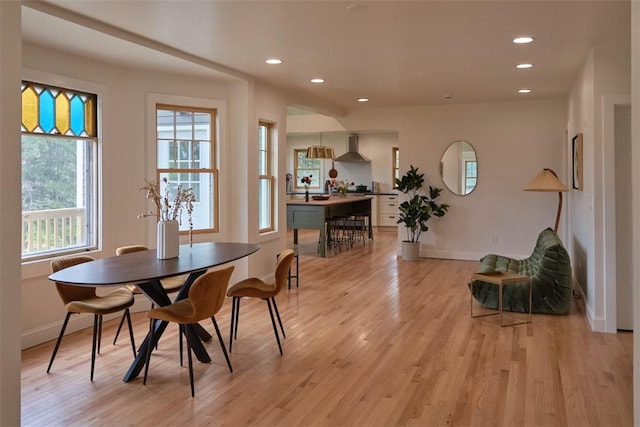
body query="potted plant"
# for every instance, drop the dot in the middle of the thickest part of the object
(416, 212)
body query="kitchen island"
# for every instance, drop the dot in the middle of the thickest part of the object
(313, 214)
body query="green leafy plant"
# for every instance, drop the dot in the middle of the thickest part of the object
(416, 212)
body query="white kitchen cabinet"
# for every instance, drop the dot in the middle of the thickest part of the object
(388, 211)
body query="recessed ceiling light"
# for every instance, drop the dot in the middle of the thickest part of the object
(363, 99)
(356, 7)
(317, 80)
(524, 91)
(273, 61)
(524, 66)
(523, 40)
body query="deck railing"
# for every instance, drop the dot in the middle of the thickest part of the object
(53, 229)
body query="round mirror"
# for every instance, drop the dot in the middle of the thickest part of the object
(459, 168)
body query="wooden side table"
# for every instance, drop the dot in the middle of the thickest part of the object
(503, 279)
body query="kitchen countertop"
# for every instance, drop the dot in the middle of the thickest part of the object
(335, 200)
(349, 193)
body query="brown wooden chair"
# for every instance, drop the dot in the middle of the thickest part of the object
(83, 299)
(170, 284)
(206, 296)
(257, 288)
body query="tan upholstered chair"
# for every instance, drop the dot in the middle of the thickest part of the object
(83, 299)
(256, 288)
(170, 284)
(206, 296)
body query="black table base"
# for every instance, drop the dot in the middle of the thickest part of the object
(156, 293)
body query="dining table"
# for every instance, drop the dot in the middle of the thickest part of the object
(145, 270)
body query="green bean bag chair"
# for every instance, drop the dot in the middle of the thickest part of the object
(548, 266)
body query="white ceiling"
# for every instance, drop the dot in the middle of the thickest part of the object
(396, 53)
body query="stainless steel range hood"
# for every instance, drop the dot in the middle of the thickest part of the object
(352, 155)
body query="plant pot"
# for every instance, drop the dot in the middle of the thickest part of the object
(168, 243)
(410, 251)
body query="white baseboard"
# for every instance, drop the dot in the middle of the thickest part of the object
(77, 322)
(463, 256)
(597, 323)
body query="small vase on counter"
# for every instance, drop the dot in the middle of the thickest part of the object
(306, 195)
(168, 243)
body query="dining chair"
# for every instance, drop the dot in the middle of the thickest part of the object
(290, 274)
(254, 287)
(206, 296)
(170, 284)
(83, 299)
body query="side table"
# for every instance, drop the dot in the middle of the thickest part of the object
(502, 279)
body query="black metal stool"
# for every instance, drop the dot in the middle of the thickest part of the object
(359, 226)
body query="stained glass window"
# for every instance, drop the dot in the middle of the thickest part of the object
(57, 111)
(59, 171)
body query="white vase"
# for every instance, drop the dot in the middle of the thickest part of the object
(168, 244)
(410, 251)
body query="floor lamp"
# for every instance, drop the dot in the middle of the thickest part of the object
(547, 180)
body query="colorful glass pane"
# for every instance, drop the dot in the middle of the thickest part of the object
(62, 113)
(77, 115)
(29, 109)
(47, 108)
(90, 116)
(52, 110)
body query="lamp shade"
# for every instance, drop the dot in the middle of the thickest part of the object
(546, 180)
(319, 152)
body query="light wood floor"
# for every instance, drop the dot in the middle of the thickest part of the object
(371, 340)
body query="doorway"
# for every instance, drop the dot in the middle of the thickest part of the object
(623, 217)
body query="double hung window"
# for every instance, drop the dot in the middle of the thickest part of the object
(186, 154)
(266, 178)
(59, 170)
(306, 167)
(395, 172)
(470, 175)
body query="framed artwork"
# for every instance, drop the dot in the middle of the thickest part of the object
(576, 149)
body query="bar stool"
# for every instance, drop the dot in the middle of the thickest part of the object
(339, 233)
(359, 226)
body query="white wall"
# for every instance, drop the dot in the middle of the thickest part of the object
(582, 236)
(605, 74)
(635, 207)
(271, 107)
(10, 325)
(513, 141)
